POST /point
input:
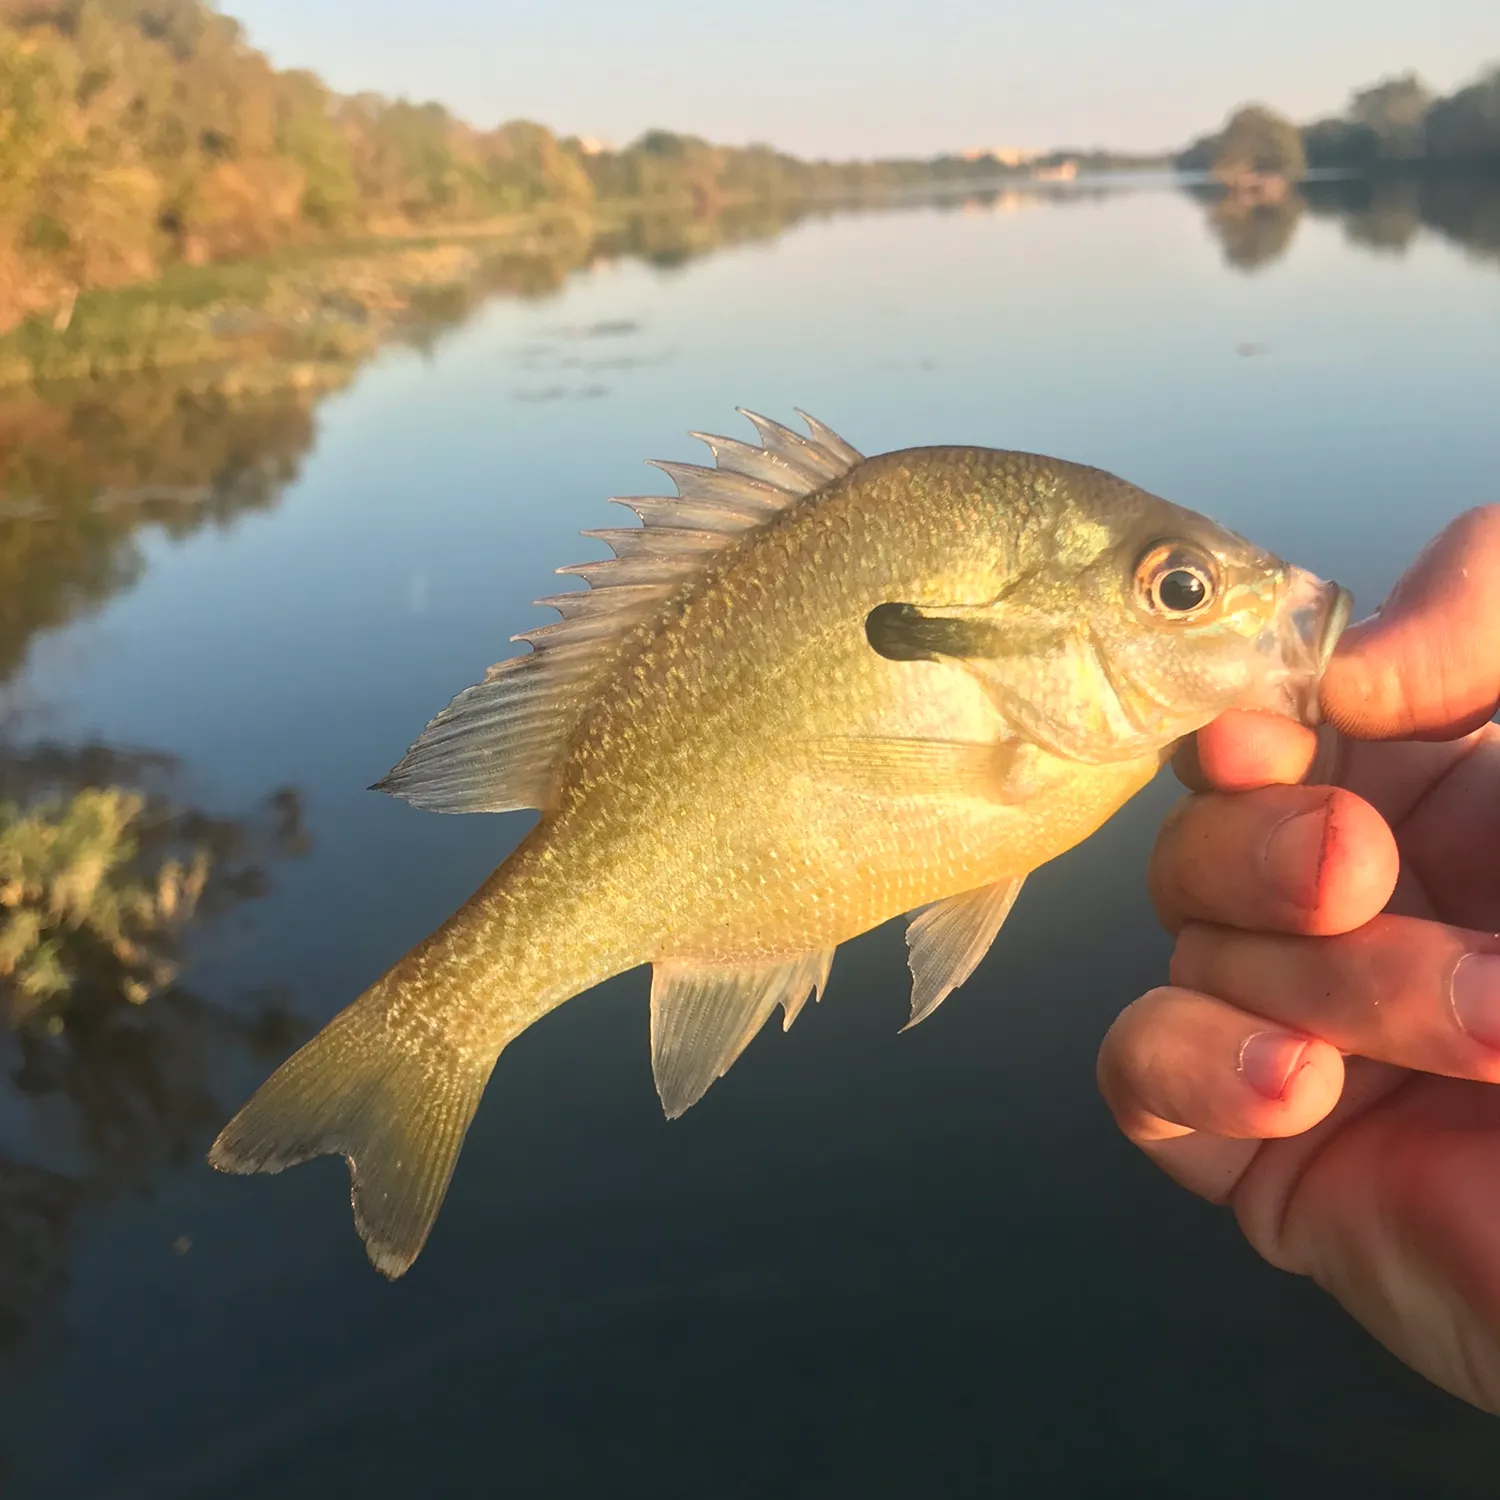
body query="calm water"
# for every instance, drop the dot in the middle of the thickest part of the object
(866, 1265)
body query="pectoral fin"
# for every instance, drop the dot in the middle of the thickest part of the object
(889, 767)
(703, 1017)
(946, 941)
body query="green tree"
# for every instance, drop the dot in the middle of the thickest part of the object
(33, 116)
(1464, 129)
(1256, 147)
(408, 161)
(1339, 143)
(309, 136)
(525, 166)
(1394, 111)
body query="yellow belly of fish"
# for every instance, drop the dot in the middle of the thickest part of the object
(806, 872)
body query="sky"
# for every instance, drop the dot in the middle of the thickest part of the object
(876, 77)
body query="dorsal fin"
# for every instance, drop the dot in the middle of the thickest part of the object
(497, 745)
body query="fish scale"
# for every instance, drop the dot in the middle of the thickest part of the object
(736, 772)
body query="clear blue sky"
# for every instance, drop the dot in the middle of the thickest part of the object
(862, 77)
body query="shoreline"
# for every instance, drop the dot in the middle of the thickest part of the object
(305, 315)
(335, 303)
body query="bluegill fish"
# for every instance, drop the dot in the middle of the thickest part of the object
(811, 692)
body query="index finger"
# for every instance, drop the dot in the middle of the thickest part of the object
(1427, 666)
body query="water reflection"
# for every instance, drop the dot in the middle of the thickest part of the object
(1384, 214)
(1389, 213)
(413, 534)
(113, 1060)
(1254, 234)
(84, 468)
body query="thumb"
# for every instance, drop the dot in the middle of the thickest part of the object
(1427, 666)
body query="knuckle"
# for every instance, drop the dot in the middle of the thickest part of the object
(1167, 873)
(1483, 522)
(1127, 1045)
(1192, 955)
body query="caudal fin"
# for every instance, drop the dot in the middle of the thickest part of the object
(395, 1102)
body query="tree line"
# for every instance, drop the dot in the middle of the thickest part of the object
(139, 134)
(135, 134)
(1396, 125)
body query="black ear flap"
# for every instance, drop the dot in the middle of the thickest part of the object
(893, 631)
(902, 632)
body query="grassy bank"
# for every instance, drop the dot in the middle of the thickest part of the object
(295, 310)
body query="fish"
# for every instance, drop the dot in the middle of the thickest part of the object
(809, 693)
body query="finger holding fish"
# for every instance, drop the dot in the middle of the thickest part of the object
(1306, 859)
(1179, 1061)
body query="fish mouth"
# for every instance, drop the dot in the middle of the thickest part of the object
(1313, 616)
(1333, 627)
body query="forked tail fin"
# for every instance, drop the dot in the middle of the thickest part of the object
(395, 1100)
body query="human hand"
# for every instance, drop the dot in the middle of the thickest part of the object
(1323, 1058)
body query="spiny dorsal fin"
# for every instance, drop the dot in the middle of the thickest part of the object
(496, 746)
(703, 1017)
(947, 940)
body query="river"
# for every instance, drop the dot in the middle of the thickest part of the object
(867, 1264)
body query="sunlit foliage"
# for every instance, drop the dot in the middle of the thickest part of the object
(1256, 145)
(138, 133)
(71, 893)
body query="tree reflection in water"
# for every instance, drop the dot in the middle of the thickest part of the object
(108, 1091)
(1386, 214)
(1254, 234)
(112, 1060)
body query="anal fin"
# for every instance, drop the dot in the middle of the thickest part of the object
(946, 941)
(703, 1016)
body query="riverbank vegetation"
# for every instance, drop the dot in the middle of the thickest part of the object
(100, 881)
(143, 138)
(168, 198)
(117, 1067)
(1398, 126)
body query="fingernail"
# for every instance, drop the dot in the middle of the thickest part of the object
(1476, 996)
(1268, 1059)
(1294, 854)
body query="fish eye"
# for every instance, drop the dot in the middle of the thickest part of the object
(1175, 582)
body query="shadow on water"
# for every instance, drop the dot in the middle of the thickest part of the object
(1384, 214)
